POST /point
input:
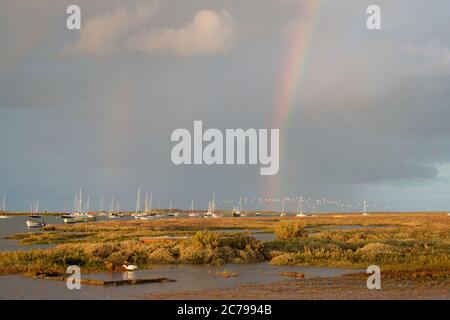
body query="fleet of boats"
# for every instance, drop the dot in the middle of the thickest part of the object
(81, 212)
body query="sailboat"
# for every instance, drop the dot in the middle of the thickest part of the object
(73, 217)
(35, 224)
(111, 213)
(69, 216)
(365, 208)
(78, 214)
(237, 212)
(209, 213)
(101, 211)
(300, 212)
(137, 212)
(213, 208)
(240, 208)
(147, 213)
(86, 215)
(35, 210)
(172, 214)
(193, 214)
(3, 214)
(35, 215)
(282, 209)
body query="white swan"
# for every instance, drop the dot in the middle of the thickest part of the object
(130, 267)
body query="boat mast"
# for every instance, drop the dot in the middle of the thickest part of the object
(80, 203)
(87, 204)
(111, 208)
(138, 202)
(300, 205)
(146, 203)
(75, 203)
(150, 202)
(3, 207)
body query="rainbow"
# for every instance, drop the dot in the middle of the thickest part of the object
(292, 75)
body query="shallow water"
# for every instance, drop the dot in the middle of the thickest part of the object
(188, 277)
(17, 224)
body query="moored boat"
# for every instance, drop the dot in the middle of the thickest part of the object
(3, 214)
(35, 224)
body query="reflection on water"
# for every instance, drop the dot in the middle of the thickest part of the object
(188, 277)
(129, 275)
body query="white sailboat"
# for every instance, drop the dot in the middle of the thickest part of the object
(364, 213)
(209, 213)
(137, 212)
(300, 212)
(282, 209)
(86, 216)
(35, 215)
(35, 224)
(76, 215)
(213, 208)
(101, 211)
(146, 214)
(193, 214)
(172, 214)
(111, 213)
(3, 214)
(35, 210)
(237, 212)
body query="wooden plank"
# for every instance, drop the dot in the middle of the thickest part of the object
(96, 282)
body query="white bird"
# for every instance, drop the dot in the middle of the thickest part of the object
(130, 267)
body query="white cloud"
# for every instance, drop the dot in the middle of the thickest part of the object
(208, 33)
(103, 34)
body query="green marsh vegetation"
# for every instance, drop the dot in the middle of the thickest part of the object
(406, 245)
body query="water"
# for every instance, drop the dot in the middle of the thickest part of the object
(188, 277)
(17, 224)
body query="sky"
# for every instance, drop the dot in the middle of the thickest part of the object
(94, 108)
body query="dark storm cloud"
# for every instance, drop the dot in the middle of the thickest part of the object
(371, 114)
